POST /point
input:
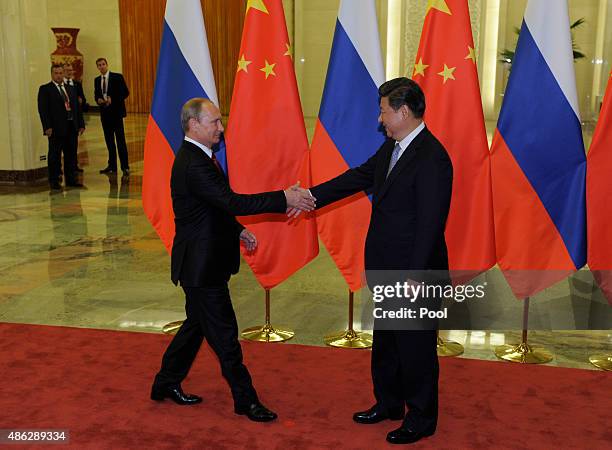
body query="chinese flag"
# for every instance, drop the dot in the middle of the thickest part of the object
(445, 68)
(267, 148)
(599, 198)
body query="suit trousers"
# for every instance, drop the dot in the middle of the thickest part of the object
(405, 372)
(113, 129)
(210, 315)
(57, 146)
(75, 152)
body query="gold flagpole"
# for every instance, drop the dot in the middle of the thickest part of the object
(523, 353)
(267, 333)
(349, 338)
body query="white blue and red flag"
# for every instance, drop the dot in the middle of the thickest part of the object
(538, 159)
(346, 132)
(184, 71)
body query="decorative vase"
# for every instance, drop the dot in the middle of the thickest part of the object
(66, 51)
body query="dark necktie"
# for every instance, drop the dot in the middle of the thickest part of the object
(217, 165)
(103, 85)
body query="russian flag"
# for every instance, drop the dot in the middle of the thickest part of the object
(184, 71)
(346, 133)
(538, 160)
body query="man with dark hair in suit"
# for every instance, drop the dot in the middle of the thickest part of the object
(410, 177)
(62, 120)
(78, 87)
(110, 92)
(205, 253)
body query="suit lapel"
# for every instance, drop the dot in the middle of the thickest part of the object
(202, 154)
(407, 156)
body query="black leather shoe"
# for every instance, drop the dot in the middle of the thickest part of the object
(108, 170)
(257, 413)
(176, 394)
(405, 435)
(74, 184)
(376, 414)
(126, 172)
(55, 186)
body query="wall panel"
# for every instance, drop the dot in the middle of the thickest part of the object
(141, 27)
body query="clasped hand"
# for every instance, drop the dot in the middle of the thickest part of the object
(298, 200)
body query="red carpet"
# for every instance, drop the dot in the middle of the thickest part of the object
(96, 384)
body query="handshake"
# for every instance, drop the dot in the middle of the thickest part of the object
(298, 200)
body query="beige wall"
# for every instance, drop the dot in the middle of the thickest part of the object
(99, 34)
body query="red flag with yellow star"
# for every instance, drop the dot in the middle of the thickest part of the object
(599, 197)
(445, 68)
(267, 147)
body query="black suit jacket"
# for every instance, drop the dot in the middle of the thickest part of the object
(52, 111)
(117, 90)
(409, 208)
(206, 247)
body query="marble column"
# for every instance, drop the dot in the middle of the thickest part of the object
(24, 65)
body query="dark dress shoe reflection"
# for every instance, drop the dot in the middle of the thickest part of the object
(75, 184)
(377, 414)
(257, 413)
(176, 394)
(404, 435)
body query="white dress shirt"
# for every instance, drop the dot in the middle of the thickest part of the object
(404, 143)
(205, 149)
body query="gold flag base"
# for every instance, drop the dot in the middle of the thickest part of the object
(448, 348)
(523, 353)
(267, 333)
(602, 361)
(172, 327)
(349, 339)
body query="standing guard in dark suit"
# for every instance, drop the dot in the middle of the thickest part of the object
(205, 253)
(78, 87)
(410, 177)
(110, 92)
(62, 121)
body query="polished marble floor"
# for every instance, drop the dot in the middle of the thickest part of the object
(89, 258)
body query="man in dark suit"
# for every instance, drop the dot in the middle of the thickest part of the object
(410, 177)
(205, 253)
(78, 88)
(62, 121)
(110, 92)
